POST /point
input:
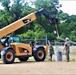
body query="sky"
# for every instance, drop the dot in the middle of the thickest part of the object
(68, 6)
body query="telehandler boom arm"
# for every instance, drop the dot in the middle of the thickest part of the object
(26, 20)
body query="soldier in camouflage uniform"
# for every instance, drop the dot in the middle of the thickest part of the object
(51, 51)
(67, 48)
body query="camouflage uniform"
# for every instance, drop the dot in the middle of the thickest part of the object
(51, 52)
(67, 49)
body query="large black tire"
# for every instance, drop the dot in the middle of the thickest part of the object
(9, 56)
(22, 59)
(40, 54)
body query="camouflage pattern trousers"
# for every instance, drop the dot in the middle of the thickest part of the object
(67, 56)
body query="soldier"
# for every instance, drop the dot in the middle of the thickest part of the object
(51, 51)
(67, 48)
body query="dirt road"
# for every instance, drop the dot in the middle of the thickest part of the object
(38, 68)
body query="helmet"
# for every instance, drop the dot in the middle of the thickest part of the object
(67, 39)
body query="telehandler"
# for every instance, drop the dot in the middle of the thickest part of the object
(10, 50)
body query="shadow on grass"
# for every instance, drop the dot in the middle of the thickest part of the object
(18, 62)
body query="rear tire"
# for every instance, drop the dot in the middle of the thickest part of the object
(9, 56)
(23, 58)
(39, 54)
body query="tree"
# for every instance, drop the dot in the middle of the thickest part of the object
(49, 5)
(5, 16)
(63, 16)
(41, 26)
(10, 14)
(68, 28)
(73, 36)
(13, 12)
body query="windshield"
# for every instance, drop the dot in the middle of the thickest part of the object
(15, 39)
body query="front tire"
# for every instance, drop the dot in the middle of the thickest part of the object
(8, 57)
(40, 54)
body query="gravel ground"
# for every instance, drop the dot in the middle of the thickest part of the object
(38, 68)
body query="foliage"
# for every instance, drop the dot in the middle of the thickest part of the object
(68, 28)
(40, 27)
(63, 16)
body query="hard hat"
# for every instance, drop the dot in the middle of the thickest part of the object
(67, 39)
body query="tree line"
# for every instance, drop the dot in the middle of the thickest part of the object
(16, 9)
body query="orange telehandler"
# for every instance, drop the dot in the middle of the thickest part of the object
(12, 50)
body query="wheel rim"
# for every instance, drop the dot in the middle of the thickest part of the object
(40, 54)
(9, 56)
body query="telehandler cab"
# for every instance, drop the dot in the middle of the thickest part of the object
(11, 48)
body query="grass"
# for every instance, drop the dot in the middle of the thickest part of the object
(0, 59)
(72, 57)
